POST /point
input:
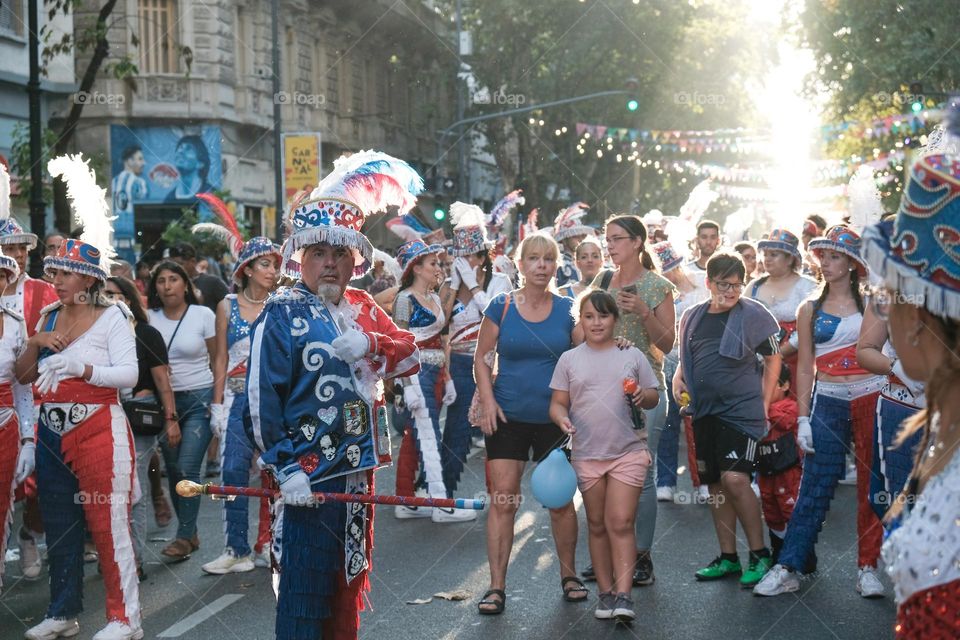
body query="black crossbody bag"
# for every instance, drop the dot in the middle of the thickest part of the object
(146, 416)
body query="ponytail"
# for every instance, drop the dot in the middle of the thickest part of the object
(647, 261)
(487, 270)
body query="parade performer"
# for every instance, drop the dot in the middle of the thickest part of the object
(17, 446)
(568, 230)
(838, 410)
(419, 310)
(472, 285)
(255, 276)
(900, 399)
(783, 288)
(921, 299)
(315, 404)
(84, 352)
(25, 296)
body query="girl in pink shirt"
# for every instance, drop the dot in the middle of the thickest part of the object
(610, 453)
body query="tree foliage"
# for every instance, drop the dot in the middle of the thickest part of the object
(537, 52)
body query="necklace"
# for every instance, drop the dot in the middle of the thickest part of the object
(252, 300)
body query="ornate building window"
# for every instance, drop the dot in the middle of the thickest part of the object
(159, 25)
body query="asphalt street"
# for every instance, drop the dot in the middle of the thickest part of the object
(415, 559)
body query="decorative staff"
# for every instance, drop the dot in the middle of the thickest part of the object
(189, 489)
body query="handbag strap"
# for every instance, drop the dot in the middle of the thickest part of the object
(177, 328)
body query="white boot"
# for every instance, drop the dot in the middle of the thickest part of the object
(52, 628)
(665, 494)
(116, 630)
(30, 562)
(262, 559)
(228, 563)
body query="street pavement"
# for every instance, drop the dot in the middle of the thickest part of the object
(415, 559)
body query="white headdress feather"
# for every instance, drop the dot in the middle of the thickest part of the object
(466, 215)
(865, 206)
(89, 203)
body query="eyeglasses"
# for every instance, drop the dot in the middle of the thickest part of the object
(612, 239)
(723, 287)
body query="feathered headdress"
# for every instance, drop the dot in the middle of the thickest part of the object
(530, 226)
(10, 230)
(363, 184)
(698, 202)
(865, 205)
(569, 222)
(408, 227)
(469, 230)
(93, 253)
(500, 210)
(390, 263)
(737, 224)
(227, 230)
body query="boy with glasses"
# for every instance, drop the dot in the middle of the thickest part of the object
(723, 339)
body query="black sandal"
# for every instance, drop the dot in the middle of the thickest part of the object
(580, 588)
(498, 605)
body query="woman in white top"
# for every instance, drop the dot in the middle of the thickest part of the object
(17, 448)
(189, 330)
(921, 301)
(472, 284)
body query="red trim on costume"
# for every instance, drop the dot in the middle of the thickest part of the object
(931, 614)
(79, 390)
(6, 396)
(842, 362)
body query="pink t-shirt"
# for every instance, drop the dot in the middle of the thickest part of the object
(598, 406)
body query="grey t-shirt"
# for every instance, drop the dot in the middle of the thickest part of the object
(727, 389)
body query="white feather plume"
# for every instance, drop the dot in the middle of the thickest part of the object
(698, 202)
(865, 206)
(466, 215)
(390, 263)
(681, 233)
(4, 193)
(234, 244)
(89, 203)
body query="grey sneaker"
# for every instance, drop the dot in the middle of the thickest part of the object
(623, 608)
(605, 606)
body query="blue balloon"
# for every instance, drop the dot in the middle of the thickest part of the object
(554, 481)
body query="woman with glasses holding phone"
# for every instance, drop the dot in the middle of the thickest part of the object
(153, 387)
(837, 398)
(648, 319)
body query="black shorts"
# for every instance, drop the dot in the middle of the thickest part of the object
(515, 440)
(721, 448)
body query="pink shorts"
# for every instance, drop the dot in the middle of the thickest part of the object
(629, 469)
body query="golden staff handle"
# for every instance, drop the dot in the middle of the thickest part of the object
(190, 489)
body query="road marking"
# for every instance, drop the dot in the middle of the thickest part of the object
(202, 615)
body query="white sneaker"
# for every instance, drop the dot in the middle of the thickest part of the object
(453, 515)
(665, 494)
(262, 560)
(778, 580)
(30, 562)
(118, 631)
(229, 563)
(851, 478)
(703, 494)
(403, 512)
(868, 584)
(52, 628)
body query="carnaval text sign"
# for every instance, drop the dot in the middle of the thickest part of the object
(301, 162)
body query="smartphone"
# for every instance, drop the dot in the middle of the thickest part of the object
(630, 288)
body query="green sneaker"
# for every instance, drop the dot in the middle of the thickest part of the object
(755, 572)
(719, 568)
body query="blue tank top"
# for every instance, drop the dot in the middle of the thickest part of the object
(237, 327)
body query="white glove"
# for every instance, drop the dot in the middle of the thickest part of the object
(64, 366)
(914, 387)
(48, 380)
(218, 419)
(296, 490)
(449, 393)
(467, 274)
(351, 345)
(413, 397)
(26, 462)
(805, 434)
(454, 280)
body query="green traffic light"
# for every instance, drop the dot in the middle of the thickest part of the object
(916, 107)
(439, 214)
(633, 104)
